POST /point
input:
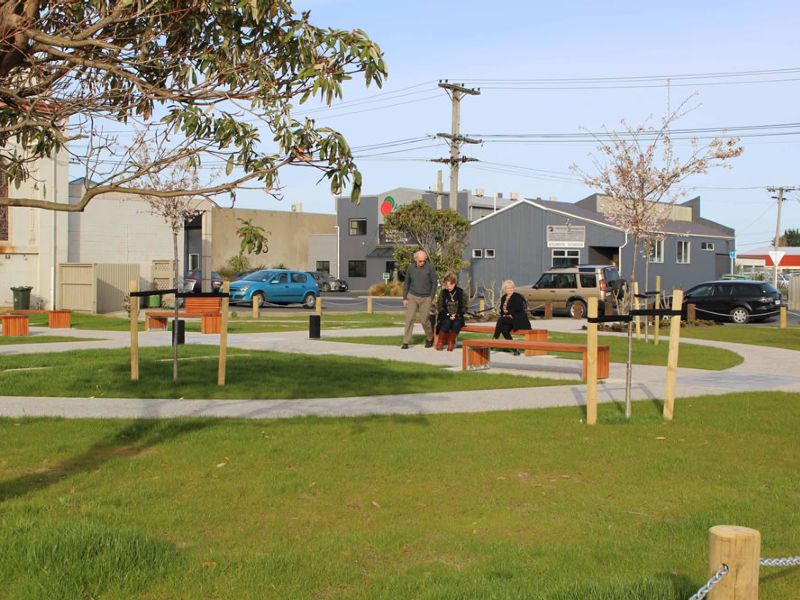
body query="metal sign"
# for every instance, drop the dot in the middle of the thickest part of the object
(731, 254)
(776, 256)
(566, 236)
(387, 276)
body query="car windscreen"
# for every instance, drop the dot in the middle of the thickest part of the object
(768, 288)
(257, 276)
(610, 274)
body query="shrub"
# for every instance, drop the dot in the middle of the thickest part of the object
(395, 288)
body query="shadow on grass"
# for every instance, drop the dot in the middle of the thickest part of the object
(131, 440)
(682, 586)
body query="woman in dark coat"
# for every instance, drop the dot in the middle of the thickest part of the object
(513, 313)
(450, 309)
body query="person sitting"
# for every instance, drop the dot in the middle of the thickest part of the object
(450, 309)
(513, 313)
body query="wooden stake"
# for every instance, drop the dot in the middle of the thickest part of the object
(369, 305)
(591, 364)
(133, 286)
(548, 309)
(657, 324)
(482, 306)
(783, 317)
(256, 308)
(672, 357)
(637, 320)
(223, 335)
(691, 313)
(319, 305)
(740, 549)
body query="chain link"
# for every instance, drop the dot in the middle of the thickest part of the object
(713, 581)
(789, 561)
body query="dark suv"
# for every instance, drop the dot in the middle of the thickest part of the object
(739, 301)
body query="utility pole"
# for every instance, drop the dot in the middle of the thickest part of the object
(456, 92)
(779, 198)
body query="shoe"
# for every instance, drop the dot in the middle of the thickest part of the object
(429, 343)
(515, 352)
(404, 347)
(440, 339)
(451, 341)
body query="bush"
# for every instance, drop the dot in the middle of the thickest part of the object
(394, 288)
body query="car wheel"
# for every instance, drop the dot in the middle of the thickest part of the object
(260, 297)
(740, 315)
(577, 309)
(310, 300)
(325, 287)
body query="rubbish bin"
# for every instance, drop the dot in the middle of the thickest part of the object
(22, 297)
(154, 301)
(181, 330)
(314, 326)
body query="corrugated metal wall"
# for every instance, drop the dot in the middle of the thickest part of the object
(794, 294)
(95, 288)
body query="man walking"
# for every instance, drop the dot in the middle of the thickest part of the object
(419, 289)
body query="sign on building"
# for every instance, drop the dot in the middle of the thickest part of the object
(566, 236)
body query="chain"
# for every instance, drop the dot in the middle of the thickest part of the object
(713, 581)
(791, 561)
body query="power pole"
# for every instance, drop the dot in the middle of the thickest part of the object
(779, 198)
(456, 92)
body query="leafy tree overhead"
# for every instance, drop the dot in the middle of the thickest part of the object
(442, 234)
(253, 238)
(790, 237)
(209, 76)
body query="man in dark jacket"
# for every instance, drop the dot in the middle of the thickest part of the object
(419, 289)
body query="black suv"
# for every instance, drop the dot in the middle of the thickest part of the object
(739, 301)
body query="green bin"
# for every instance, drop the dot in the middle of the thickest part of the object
(22, 297)
(153, 301)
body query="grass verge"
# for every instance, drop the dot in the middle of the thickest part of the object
(690, 356)
(747, 334)
(250, 375)
(522, 504)
(42, 339)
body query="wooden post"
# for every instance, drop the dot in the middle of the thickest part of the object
(319, 305)
(637, 320)
(591, 364)
(369, 305)
(256, 308)
(691, 313)
(608, 308)
(740, 549)
(657, 323)
(672, 356)
(223, 335)
(482, 306)
(133, 286)
(783, 317)
(548, 309)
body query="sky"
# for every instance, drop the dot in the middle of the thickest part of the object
(477, 42)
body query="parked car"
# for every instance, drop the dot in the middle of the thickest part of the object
(327, 282)
(278, 286)
(193, 281)
(569, 288)
(739, 301)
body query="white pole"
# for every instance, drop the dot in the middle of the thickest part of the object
(54, 265)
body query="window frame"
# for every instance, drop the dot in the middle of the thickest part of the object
(477, 253)
(707, 246)
(686, 255)
(352, 263)
(354, 220)
(323, 269)
(488, 253)
(568, 255)
(656, 253)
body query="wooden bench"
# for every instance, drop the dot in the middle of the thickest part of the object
(530, 335)
(14, 325)
(475, 353)
(56, 319)
(206, 308)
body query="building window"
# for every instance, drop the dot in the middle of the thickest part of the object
(707, 246)
(488, 253)
(657, 251)
(477, 253)
(682, 256)
(324, 266)
(194, 261)
(356, 268)
(566, 258)
(358, 227)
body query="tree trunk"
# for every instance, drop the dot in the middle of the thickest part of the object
(629, 362)
(646, 297)
(175, 319)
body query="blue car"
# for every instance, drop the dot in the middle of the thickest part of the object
(277, 286)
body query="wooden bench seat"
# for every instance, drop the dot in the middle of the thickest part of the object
(14, 325)
(530, 335)
(206, 308)
(476, 353)
(56, 319)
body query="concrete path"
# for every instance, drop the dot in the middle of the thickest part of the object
(763, 369)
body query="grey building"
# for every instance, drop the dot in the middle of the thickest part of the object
(525, 238)
(364, 253)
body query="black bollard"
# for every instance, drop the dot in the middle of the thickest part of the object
(314, 326)
(181, 330)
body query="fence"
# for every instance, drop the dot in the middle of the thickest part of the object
(794, 294)
(94, 287)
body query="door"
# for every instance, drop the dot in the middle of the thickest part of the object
(566, 286)
(278, 288)
(298, 286)
(701, 297)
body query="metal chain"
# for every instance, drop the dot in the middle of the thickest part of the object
(790, 561)
(713, 581)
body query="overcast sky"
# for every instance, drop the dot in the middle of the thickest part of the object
(523, 40)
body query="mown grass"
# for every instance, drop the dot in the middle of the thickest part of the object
(250, 375)
(522, 504)
(690, 355)
(41, 339)
(747, 334)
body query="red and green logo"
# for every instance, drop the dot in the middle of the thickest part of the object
(387, 206)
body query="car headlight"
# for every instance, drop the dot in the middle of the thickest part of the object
(244, 288)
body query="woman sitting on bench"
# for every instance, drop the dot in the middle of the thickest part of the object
(513, 313)
(450, 310)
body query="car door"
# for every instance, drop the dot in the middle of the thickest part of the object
(278, 288)
(700, 296)
(540, 292)
(721, 301)
(298, 286)
(566, 288)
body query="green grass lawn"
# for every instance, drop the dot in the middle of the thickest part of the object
(41, 339)
(747, 334)
(250, 375)
(690, 355)
(522, 504)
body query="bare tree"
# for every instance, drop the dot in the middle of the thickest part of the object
(639, 170)
(216, 75)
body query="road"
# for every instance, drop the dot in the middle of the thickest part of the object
(355, 301)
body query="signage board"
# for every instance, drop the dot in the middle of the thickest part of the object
(776, 256)
(566, 236)
(387, 276)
